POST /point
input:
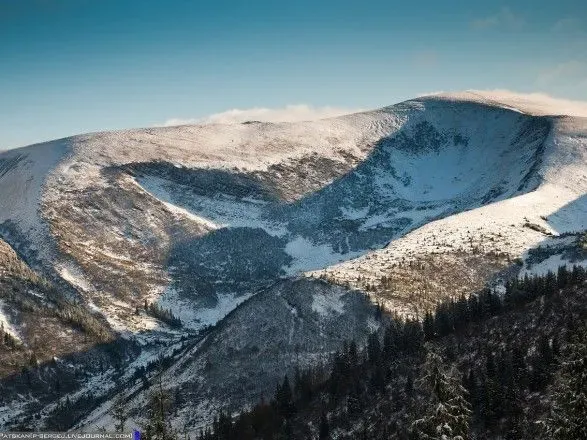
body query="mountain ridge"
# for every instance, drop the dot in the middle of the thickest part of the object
(198, 220)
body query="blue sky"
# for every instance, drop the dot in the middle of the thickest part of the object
(73, 66)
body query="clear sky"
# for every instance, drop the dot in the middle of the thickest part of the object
(73, 66)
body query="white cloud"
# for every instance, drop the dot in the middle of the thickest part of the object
(289, 113)
(505, 18)
(438, 92)
(536, 103)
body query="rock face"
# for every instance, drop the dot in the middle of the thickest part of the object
(226, 228)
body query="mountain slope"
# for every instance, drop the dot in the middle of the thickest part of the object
(106, 233)
(411, 203)
(508, 232)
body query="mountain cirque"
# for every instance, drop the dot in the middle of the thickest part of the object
(264, 239)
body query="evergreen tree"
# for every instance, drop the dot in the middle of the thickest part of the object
(284, 399)
(568, 420)
(119, 413)
(413, 336)
(443, 323)
(159, 406)
(428, 325)
(449, 412)
(409, 387)
(373, 348)
(324, 433)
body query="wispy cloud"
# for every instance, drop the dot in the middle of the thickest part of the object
(289, 113)
(437, 92)
(504, 18)
(536, 103)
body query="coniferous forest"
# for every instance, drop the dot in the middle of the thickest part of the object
(509, 365)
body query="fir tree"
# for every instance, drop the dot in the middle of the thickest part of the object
(449, 412)
(568, 418)
(324, 433)
(428, 325)
(119, 413)
(158, 426)
(284, 399)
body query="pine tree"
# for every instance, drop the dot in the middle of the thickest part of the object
(284, 399)
(119, 413)
(324, 428)
(158, 426)
(449, 412)
(568, 418)
(409, 386)
(373, 348)
(428, 325)
(413, 336)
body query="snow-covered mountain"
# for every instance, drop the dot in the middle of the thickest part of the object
(231, 225)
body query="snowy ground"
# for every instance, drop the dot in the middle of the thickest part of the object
(194, 317)
(448, 175)
(557, 206)
(5, 322)
(42, 186)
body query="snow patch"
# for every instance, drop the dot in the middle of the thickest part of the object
(551, 264)
(328, 304)
(218, 212)
(194, 317)
(5, 323)
(73, 276)
(155, 187)
(353, 213)
(23, 174)
(309, 256)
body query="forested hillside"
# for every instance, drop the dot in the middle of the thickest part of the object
(511, 365)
